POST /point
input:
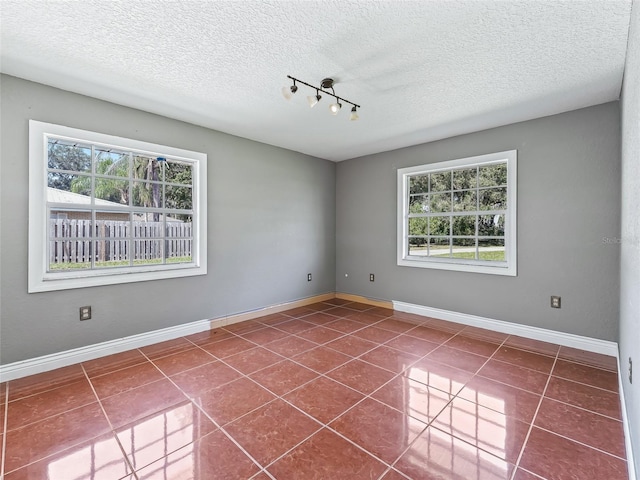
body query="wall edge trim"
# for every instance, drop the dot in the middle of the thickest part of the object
(45, 363)
(631, 465)
(536, 333)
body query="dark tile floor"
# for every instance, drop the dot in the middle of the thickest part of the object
(335, 390)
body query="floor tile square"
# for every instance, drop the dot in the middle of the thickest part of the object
(515, 376)
(483, 428)
(583, 426)
(379, 429)
(327, 455)
(54, 434)
(271, 430)
(413, 398)
(169, 347)
(320, 335)
(99, 458)
(141, 402)
(290, 346)
(591, 359)
(253, 360)
(295, 326)
(345, 325)
(375, 334)
(438, 375)
(394, 325)
(324, 399)
(185, 360)
(151, 438)
(41, 382)
(473, 345)
(228, 346)
(595, 399)
(210, 457)
(389, 358)
(37, 407)
(457, 358)
(557, 458)
(429, 334)
(265, 335)
(282, 377)
(126, 379)
(438, 455)
(409, 344)
(522, 358)
(205, 377)
(361, 376)
(229, 402)
(595, 377)
(209, 336)
(110, 363)
(351, 345)
(320, 318)
(322, 359)
(511, 401)
(530, 345)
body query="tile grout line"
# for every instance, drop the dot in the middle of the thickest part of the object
(4, 431)
(104, 412)
(533, 419)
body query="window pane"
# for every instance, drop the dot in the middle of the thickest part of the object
(465, 179)
(493, 175)
(66, 182)
(178, 197)
(178, 172)
(464, 201)
(112, 190)
(147, 252)
(147, 194)
(419, 204)
(69, 244)
(69, 254)
(464, 248)
(491, 226)
(418, 246)
(112, 163)
(465, 225)
(439, 226)
(418, 226)
(441, 202)
(112, 252)
(419, 184)
(440, 181)
(439, 247)
(65, 156)
(146, 168)
(179, 250)
(493, 199)
(112, 224)
(492, 250)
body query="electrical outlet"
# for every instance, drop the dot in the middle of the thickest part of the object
(308, 277)
(630, 370)
(555, 301)
(85, 313)
(372, 277)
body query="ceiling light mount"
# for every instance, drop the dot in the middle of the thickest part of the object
(326, 87)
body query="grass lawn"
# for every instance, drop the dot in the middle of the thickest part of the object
(123, 263)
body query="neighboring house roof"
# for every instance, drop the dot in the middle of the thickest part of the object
(55, 195)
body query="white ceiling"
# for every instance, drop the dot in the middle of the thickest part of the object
(422, 70)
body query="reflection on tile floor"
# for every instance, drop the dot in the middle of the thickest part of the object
(334, 390)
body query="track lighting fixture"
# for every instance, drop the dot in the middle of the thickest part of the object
(288, 92)
(313, 100)
(354, 114)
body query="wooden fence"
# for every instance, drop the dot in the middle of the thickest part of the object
(70, 241)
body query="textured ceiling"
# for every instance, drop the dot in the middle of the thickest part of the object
(422, 70)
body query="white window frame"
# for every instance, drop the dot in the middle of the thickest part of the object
(509, 267)
(40, 280)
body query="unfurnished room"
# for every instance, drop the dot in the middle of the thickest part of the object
(342, 239)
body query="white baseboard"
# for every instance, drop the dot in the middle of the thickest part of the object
(535, 333)
(631, 466)
(31, 366)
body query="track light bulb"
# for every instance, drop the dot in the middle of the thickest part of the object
(334, 108)
(313, 99)
(354, 114)
(287, 92)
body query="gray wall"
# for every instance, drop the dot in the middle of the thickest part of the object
(630, 248)
(271, 220)
(568, 200)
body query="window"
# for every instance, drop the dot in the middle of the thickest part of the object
(106, 210)
(459, 214)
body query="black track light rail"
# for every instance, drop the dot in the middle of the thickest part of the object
(320, 89)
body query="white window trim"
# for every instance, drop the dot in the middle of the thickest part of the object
(42, 281)
(475, 266)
